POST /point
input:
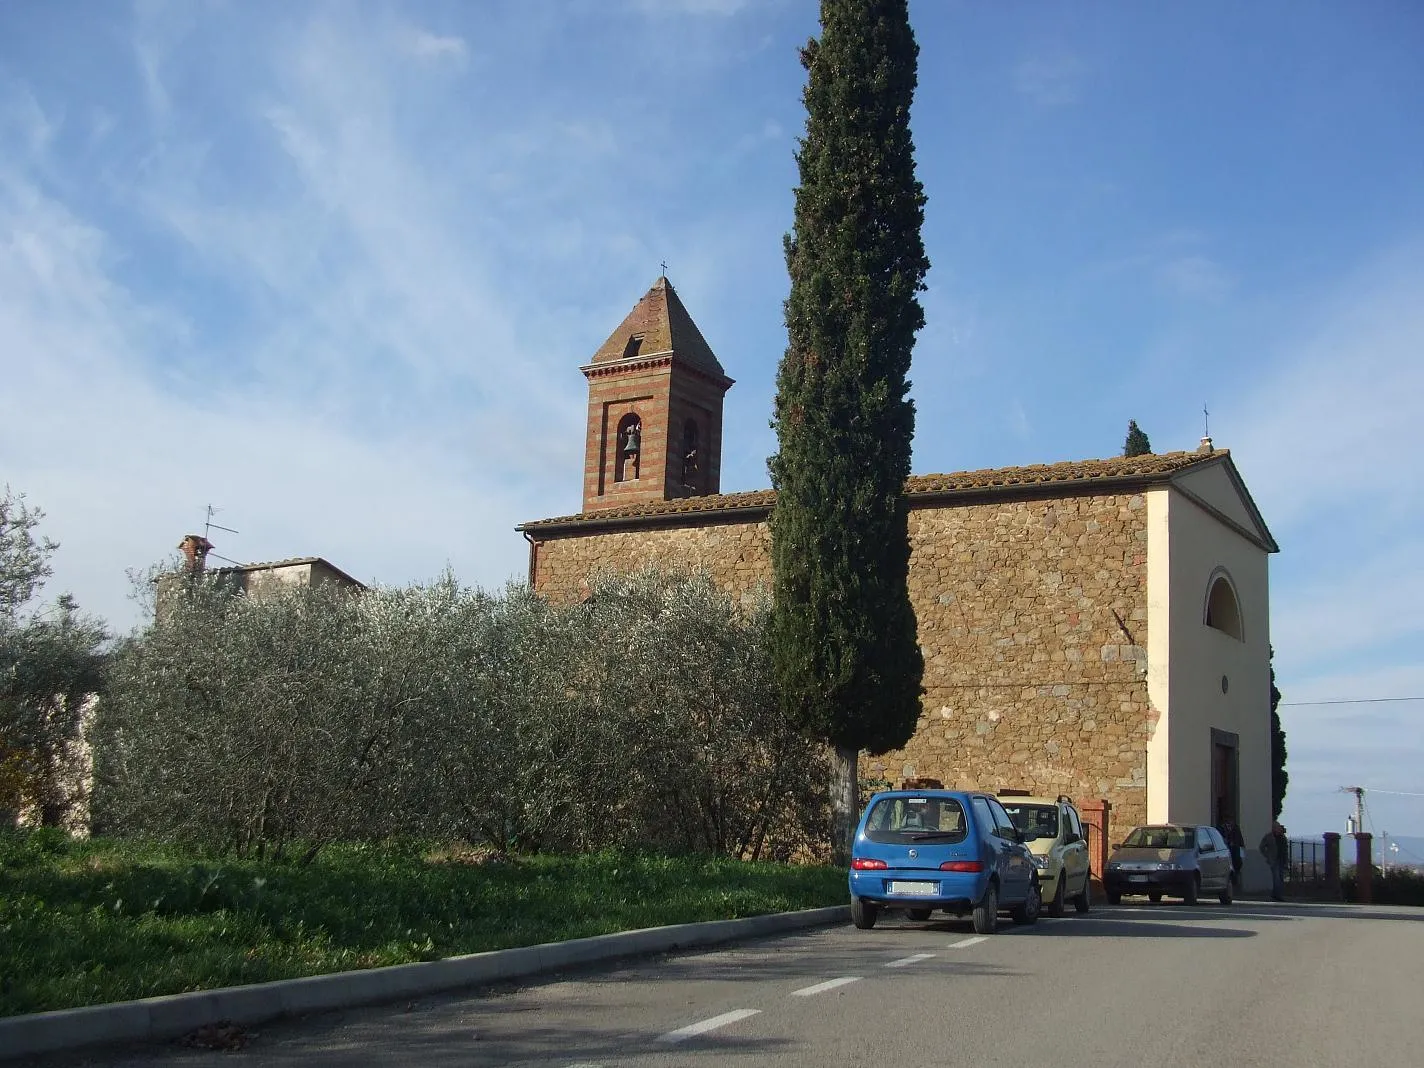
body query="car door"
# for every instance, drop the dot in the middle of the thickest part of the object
(1019, 860)
(1223, 852)
(1000, 858)
(1075, 854)
(1208, 860)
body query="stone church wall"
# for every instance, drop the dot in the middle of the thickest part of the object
(1032, 619)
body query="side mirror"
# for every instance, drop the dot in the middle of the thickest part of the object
(1071, 838)
(1117, 845)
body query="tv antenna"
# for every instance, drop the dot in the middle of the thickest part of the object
(209, 526)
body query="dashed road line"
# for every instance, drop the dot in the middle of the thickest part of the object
(821, 988)
(682, 1034)
(909, 960)
(964, 943)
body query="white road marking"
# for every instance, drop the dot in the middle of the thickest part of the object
(585, 1064)
(682, 1034)
(821, 988)
(969, 942)
(909, 960)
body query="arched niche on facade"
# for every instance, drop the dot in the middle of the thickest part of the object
(629, 443)
(691, 453)
(1223, 607)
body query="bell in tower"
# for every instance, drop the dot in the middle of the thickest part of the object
(655, 393)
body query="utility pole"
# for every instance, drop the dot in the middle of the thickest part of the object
(1359, 792)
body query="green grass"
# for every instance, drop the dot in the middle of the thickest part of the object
(82, 923)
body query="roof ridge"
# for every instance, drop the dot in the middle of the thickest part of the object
(1157, 466)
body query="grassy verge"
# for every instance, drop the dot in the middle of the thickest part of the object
(83, 923)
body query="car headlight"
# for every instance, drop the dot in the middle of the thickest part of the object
(1040, 862)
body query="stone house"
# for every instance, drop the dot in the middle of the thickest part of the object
(251, 579)
(1096, 628)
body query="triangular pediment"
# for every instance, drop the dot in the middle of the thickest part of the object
(1217, 486)
(659, 325)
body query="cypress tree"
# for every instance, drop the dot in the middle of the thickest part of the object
(843, 635)
(1279, 776)
(1137, 443)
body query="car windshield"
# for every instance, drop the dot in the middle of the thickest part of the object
(915, 819)
(1160, 838)
(1034, 821)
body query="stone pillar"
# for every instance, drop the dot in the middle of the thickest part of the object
(1332, 864)
(1364, 869)
(1097, 823)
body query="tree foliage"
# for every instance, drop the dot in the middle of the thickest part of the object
(642, 717)
(1137, 443)
(51, 666)
(24, 561)
(843, 631)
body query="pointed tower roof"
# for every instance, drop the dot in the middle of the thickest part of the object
(662, 325)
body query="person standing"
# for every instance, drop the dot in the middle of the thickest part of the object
(1276, 849)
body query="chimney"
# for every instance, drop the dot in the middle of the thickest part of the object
(195, 551)
(1205, 448)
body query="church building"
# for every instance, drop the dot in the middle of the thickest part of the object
(1095, 628)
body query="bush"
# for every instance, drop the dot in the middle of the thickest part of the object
(643, 717)
(1389, 886)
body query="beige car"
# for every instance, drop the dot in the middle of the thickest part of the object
(1053, 832)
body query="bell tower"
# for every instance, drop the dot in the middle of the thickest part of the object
(655, 393)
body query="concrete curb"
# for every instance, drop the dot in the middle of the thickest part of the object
(177, 1014)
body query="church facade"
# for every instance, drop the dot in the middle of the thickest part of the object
(1096, 628)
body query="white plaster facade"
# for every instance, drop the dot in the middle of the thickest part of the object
(1210, 686)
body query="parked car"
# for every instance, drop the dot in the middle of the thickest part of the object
(950, 850)
(1053, 832)
(1175, 860)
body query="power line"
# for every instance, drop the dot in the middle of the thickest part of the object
(1351, 701)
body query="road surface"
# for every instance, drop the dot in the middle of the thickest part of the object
(1164, 985)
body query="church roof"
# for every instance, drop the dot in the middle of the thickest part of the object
(1118, 474)
(662, 325)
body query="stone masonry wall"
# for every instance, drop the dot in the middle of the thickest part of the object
(1031, 681)
(737, 556)
(1033, 623)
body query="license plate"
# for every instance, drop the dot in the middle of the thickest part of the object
(925, 889)
(1137, 878)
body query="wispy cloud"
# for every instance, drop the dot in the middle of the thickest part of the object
(1050, 81)
(665, 8)
(1194, 277)
(431, 46)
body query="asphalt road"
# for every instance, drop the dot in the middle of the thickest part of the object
(1164, 985)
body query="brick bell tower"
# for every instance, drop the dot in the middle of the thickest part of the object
(655, 394)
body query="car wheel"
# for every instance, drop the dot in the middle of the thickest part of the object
(1155, 897)
(1027, 913)
(1225, 896)
(1114, 897)
(1084, 901)
(863, 914)
(1056, 906)
(919, 914)
(986, 913)
(1193, 891)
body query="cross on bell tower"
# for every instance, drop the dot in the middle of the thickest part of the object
(655, 392)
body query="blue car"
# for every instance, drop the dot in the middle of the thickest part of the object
(922, 850)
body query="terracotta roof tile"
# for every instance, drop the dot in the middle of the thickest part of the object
(1151, 467)
(665, 326)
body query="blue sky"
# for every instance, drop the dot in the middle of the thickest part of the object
(332, 267)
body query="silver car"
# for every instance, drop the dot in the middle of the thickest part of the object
(1174, 860)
